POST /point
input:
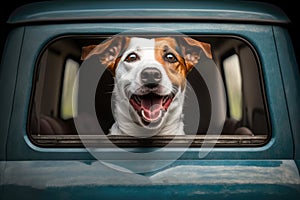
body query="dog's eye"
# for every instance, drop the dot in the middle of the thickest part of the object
(171, 58)
(132, 57)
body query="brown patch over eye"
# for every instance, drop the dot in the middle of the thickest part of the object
(173, 63)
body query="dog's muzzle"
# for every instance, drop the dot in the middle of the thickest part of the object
(147, 102)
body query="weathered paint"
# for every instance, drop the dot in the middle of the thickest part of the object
(121, 10)
(194, 178)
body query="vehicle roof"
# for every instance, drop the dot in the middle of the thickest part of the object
(63, 11)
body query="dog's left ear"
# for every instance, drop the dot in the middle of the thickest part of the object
(192, 50)
(108, 51)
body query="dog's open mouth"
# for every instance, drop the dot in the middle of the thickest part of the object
(151, 107)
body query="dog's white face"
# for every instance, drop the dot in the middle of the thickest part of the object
(150, 81)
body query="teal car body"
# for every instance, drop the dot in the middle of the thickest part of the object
(269, 171)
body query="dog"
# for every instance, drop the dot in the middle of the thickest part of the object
(150, 81)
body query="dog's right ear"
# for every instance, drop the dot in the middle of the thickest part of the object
(109, 51)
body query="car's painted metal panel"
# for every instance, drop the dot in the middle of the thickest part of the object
(20, 148)
(220, 179)
(291, 79)
(141, 10)
(8, 76)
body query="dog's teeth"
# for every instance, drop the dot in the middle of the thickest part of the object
(143, 114)
(137, 99)
(149, 120)
(165, 99)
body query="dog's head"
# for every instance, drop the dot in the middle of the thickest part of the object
(150, 74)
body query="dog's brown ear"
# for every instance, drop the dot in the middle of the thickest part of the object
(86, 50)
(192, 50)
(108, 51)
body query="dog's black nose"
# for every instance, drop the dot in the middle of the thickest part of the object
(151, 77)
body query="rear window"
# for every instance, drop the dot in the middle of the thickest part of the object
(185, 89)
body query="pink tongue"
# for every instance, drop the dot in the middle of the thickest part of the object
(152, 107)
